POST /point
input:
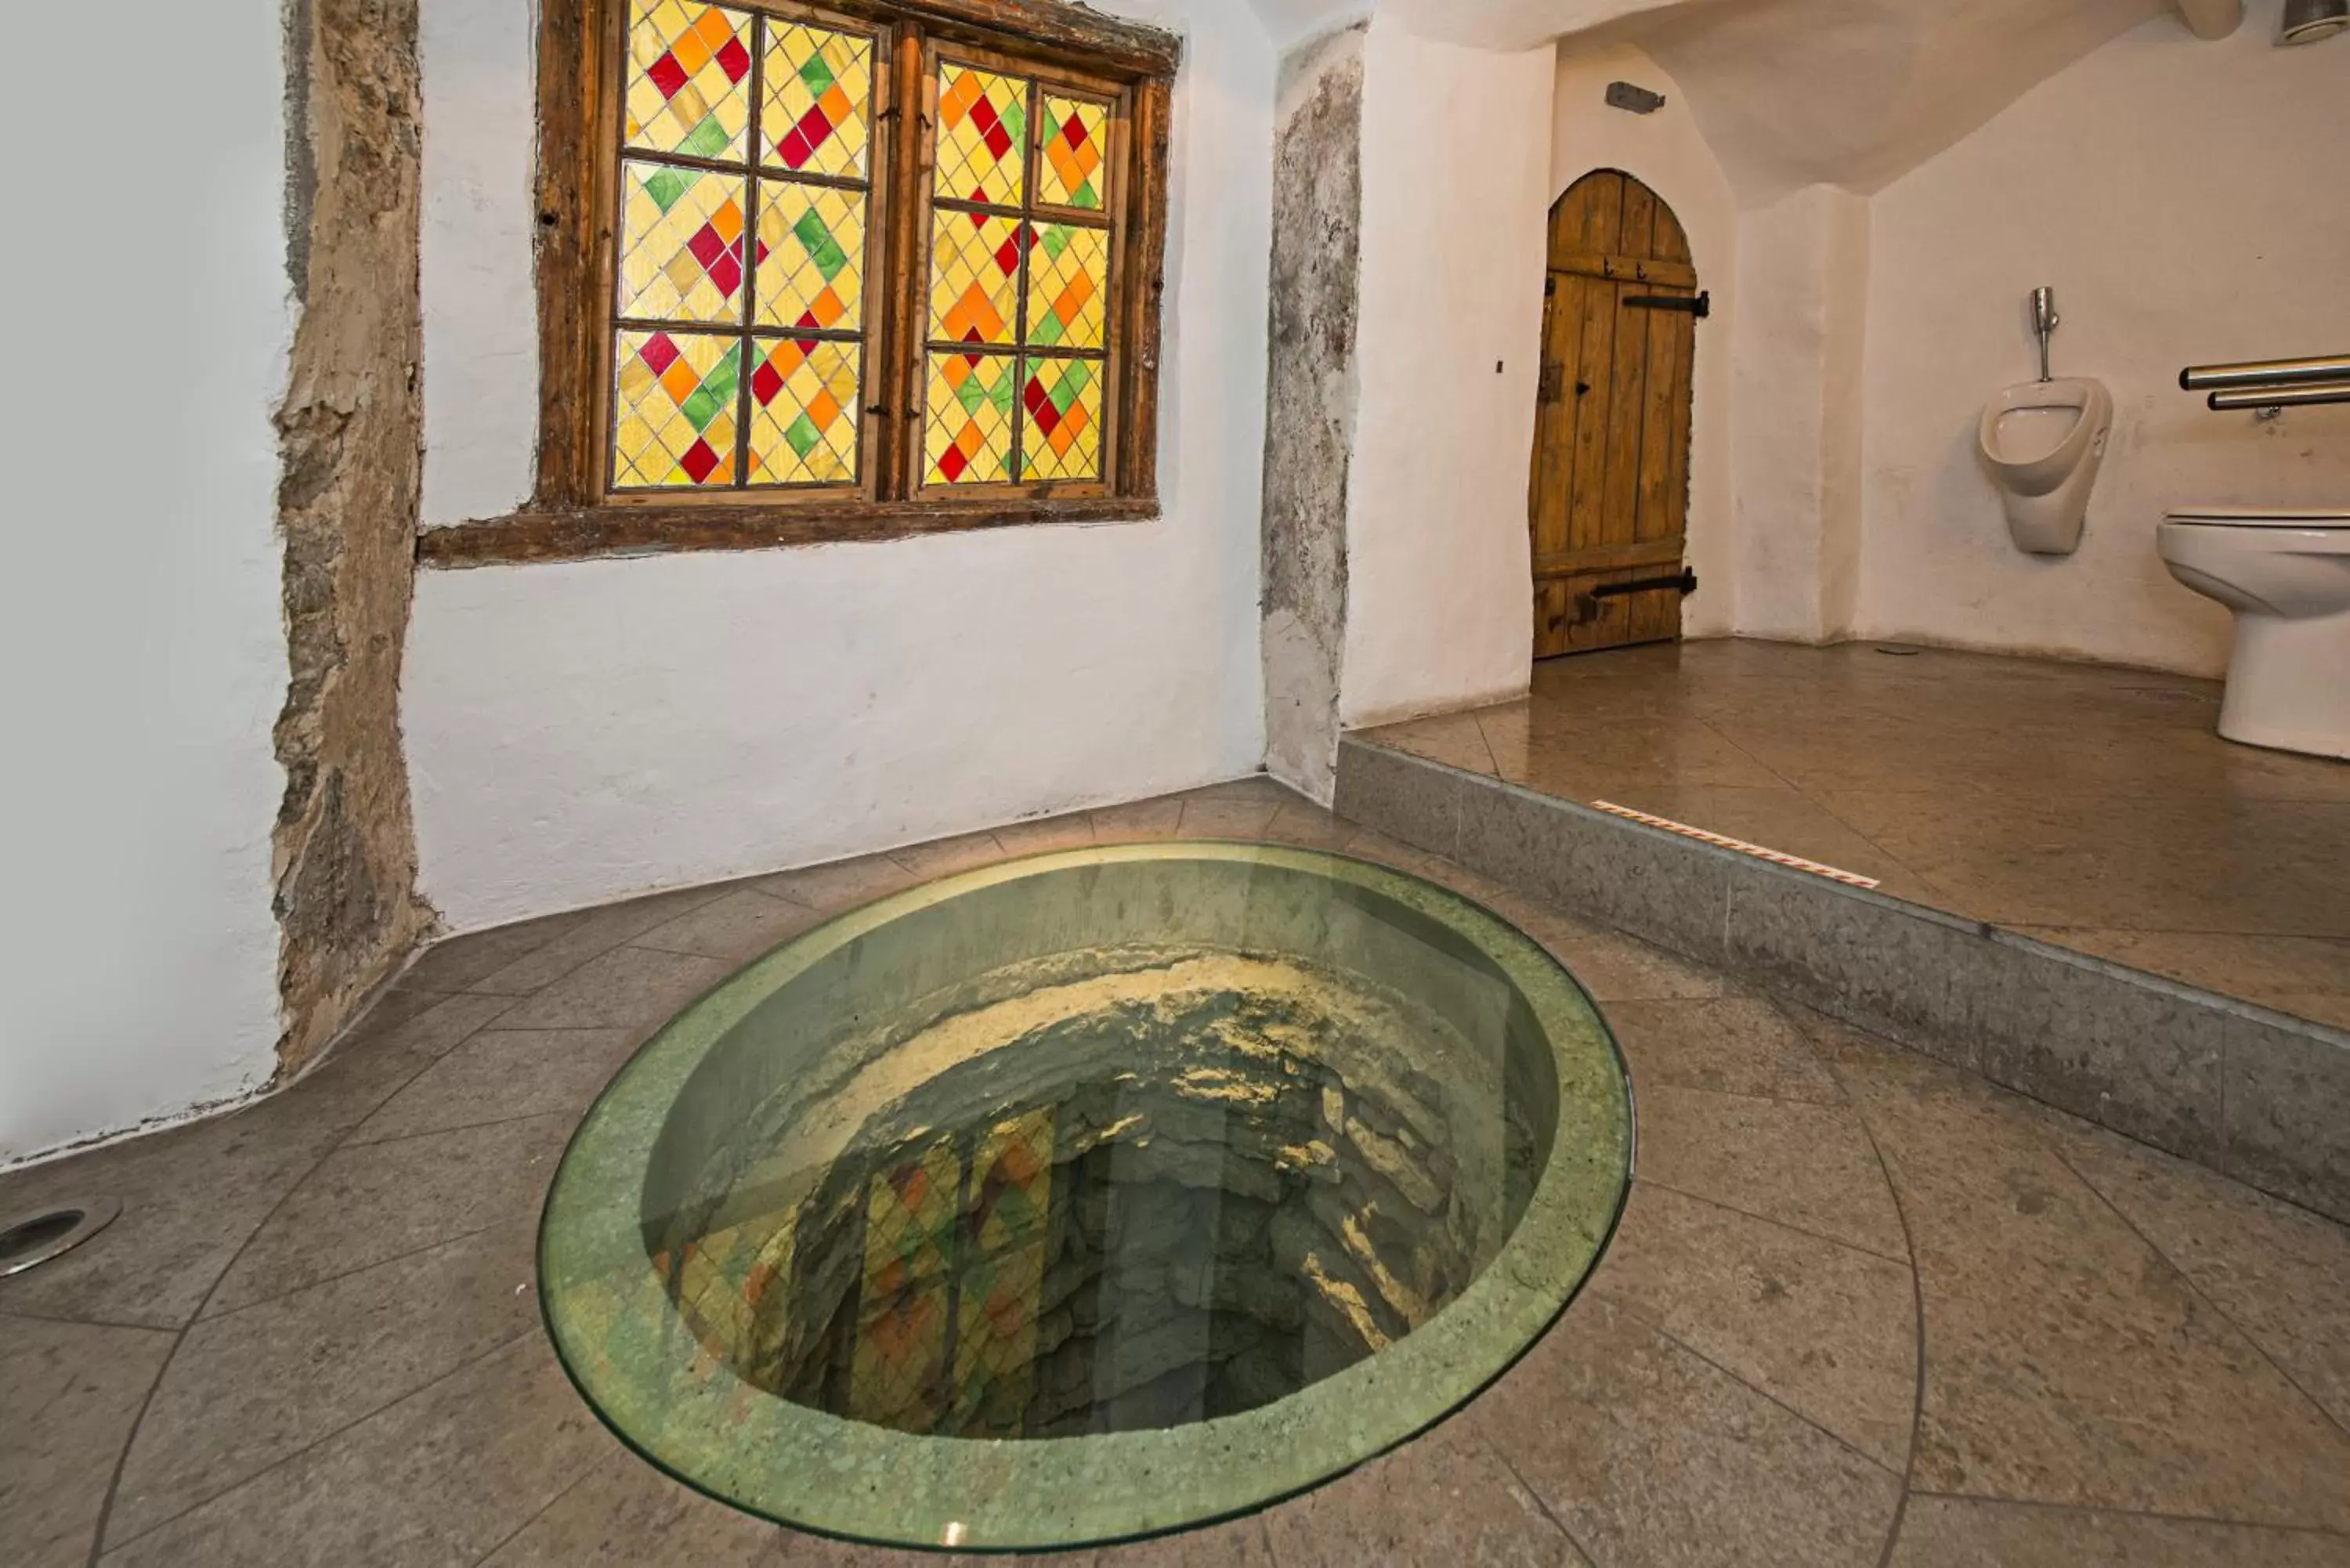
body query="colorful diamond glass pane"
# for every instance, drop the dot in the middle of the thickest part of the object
(975, 276)
(1060, 417)
(811, 257)
(983, 137)
(818, 118)
(689, 78)
(901, 1329)
(1007, 1216)
(804, 397)
(674, 409)
(681, 243)
(1069, 285)
(1073, 151)
(967, 426)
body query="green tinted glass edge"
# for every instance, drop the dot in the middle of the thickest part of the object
(624, 1347)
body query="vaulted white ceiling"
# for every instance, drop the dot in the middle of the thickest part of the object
(1795, 92)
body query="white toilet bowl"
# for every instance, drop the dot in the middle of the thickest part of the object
(2285, 572)
(2043, 443)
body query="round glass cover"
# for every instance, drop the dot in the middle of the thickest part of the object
(1086, 1197)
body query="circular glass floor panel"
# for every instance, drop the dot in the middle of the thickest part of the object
(1086, 1197)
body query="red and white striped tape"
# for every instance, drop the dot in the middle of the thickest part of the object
(1775, 856)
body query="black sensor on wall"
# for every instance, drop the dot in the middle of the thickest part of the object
(1639, 99)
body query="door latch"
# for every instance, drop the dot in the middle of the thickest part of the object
(1584, 607)
(1700, 304)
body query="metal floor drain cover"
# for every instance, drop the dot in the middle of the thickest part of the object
(28, 1240)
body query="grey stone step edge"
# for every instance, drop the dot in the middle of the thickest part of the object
(2259, 1095)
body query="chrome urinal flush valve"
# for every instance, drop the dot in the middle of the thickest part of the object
(2044, 321)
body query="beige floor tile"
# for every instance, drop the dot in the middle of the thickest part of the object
(1734, 1045)
(1444, 1499)
(626, 987)
(1452, 739)
(1829, 1331)
(2175, 862)
(458, 962)
(1309, 826)
(442, 1477)
(1047, 835)
(1610, 965)
(2280, 1274)
(946, 857)
(590, 935)
(2066, 1362)
(191, 1197)
(740, 927)
(1227, 818)
(2020, 790)
(503, 1075)
(1144, 820)
(249, 1389)
(1645, 1454)
(72, 1394)
(841, 886)
(370, 1203)
(1807, 1167)
(1971, 1533)
(1241, 1544)
(626, 1514)
(1601, 763)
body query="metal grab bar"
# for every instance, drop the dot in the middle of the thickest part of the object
(2264, 373)
(2282, 395)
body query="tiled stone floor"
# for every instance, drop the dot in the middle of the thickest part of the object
(1863, 1309)
(2093, 807)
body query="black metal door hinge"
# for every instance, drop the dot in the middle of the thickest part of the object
(1686, 582)
(1700, 304)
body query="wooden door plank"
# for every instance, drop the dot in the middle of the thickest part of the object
(1619, 507)
(1603, 228)
(1666, 389)
(1670, 241)
(1618, 264)
(1640, 219)
(1594, 372)
(1555, 429)
(1648, 557)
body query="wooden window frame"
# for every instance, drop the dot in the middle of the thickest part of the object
(574, 515)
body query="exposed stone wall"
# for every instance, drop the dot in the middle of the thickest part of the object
(351, 431)
(1311, 393)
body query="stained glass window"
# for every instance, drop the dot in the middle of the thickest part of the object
(1019, 287)
(707, 289)
(861, 256)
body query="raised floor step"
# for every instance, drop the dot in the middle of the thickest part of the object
(2262, 1096)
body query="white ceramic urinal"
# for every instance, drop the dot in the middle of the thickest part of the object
(2043, 443)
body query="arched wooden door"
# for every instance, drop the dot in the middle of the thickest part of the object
(1610, 500)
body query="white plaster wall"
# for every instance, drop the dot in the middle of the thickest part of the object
(480, 300)
(2188, 202)
(140, 647)
(1456, 203)
(1667, 152)
(1803, 270)
(581, 731)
